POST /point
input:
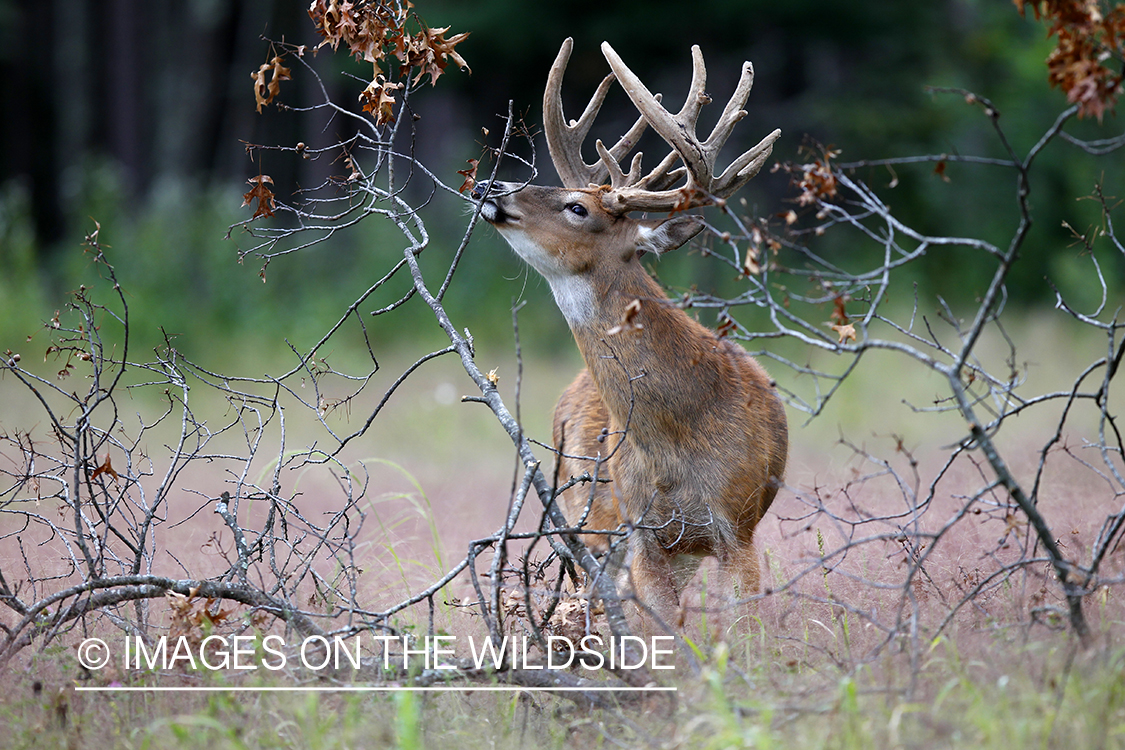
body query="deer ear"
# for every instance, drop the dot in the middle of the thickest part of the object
(661, 236)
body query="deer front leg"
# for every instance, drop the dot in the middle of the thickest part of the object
(654, 578)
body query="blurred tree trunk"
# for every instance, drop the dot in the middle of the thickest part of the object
(155, 89)
(28, 127)
(126, 113)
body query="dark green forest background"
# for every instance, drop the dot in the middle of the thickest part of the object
(136, 115)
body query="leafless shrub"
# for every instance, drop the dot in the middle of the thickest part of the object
(1028, 548)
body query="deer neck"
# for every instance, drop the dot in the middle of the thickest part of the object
(657, 370)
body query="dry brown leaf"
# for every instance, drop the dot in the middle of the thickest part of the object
(845, 331)
(378, 99)
(939, 170)
(726, 326)
(262, 193)
(750, 265)
(105, 468)
(279, 73)
(628, 320)
(265, 91)
(470, 176)
(441, 51)
(569, 619)
(261, 88)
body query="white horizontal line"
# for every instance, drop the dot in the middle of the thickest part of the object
(373, 689)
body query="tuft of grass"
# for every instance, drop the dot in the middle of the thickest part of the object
(408, 722)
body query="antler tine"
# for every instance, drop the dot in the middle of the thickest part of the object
(743, 169)
(748, 164)
(625, 144)
(661, 178)
(564, 141)
(697, 95)
(651, 192)
(671, 129)
(617, 178)
(733, 112)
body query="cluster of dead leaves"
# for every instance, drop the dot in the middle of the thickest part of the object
(192, 617)
(1089, 39)
(568, 619)
(817, 181)
(377, 33)
(379, 99)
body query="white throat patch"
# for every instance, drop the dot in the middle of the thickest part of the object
(575, 298)
(573, 294)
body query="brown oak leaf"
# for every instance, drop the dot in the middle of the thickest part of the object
(470, 176)
(265, 91)
(443, 51)
(845, 331)
(261, 88)
(262, 193)
(280, 73)
(105, 468)
(379, 99)
(628, 320)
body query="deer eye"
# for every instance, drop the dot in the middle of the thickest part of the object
(578, 210)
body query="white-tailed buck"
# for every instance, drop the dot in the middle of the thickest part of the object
(690, 428)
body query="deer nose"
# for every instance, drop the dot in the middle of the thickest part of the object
(479, 190)
(495, 188)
